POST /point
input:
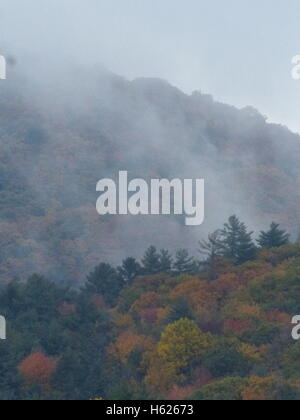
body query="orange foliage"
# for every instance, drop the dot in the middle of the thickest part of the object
(178, 393)
(153, 315)
(146, 301)
(38, 368)
(129, 342)
(226, 283)
(197, 293)
(277, 316)
(258, 389)
(253, 269)
(249, 311)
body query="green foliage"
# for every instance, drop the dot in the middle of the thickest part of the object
(291, 361)
(166, 261)
(151, 261)
(261, 334)
(129, 270)
(279, 290)
(212, 250)
(226, 360)
(273, 238)
(228, 389)
(184, 264)
(104, 280)
(237, 242)
(130, 336)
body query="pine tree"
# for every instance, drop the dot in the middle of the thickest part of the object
(246, 247)
(274, 238)
(212, 249)
(151, 261)
(104, 280)
(166, 261)
(184, 264)
(129, 270)
(230, 238)
(237, 242)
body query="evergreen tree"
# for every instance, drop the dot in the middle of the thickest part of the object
(184, 264)
(212, 249)
(237, 242)
(151, 261)
(104, 280)
(246, 247)
(230, 238)
(181, 309)
(129, 270)
(166, 261)
(273, 238)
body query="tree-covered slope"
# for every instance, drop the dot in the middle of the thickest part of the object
(165, 335)
(60, 134)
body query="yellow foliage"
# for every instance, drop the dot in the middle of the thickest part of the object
(182, 344)
(123, 321)
(253, 353)
(258, 389)
(249, 311)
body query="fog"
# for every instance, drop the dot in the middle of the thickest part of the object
(82, 101)
(241, 53)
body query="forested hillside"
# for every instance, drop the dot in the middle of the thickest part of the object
(60, 134)
(167, 326)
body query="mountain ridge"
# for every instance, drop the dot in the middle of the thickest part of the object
(60, 135)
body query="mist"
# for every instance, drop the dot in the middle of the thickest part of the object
(91, 91)
(239, 56)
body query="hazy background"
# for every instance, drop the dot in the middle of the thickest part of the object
(66, 122)
(240, 51)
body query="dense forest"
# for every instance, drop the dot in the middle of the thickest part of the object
(217, 327)
(182, 321)
(60, 134)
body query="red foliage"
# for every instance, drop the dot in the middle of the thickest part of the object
(38, 368)
(180, 393)
(147, 300)
(149, 315)
(237, 326)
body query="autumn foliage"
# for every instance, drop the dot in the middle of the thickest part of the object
(38, 368)
(164, 336)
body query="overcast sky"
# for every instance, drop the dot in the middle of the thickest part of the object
(239, 51)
